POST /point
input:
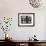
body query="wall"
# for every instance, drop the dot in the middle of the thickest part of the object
(11, 8)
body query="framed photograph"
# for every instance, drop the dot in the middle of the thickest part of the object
(26, 19)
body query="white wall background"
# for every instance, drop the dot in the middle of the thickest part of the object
(11, 8)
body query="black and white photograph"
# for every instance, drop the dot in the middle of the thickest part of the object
(26, 19)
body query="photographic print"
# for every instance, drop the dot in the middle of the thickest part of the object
(26, 19)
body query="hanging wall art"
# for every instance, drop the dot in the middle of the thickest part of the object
(26, 19)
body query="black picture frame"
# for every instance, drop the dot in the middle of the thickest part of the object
(26, 19)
